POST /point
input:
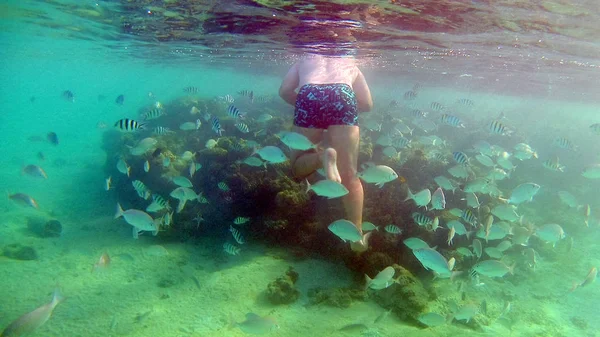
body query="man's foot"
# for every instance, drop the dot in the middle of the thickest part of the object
(362, 245)
(330, 165)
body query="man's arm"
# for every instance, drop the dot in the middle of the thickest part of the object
(363, 94)
(287, 90)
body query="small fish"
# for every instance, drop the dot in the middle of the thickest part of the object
(211, 143)
(166, 161)
(120, 99)
(421, 198)
(393, 229)
(589, 279)
(143, 146)
(107, 183)
(223, 186)
(247, 93)
(153, 114)
(141, 189)
(231, 249)
(240, 220)
(242, 127)
(146, 166)
(296, 141)
(433, 260)
(158, 203)
(460, 157)
(438, 200)
(368, 226)
(272, 154)
(139, 220)
(435, 224)
(161, 130)
(587, 211)
(553, 165)
(327, 188)
(451, 234)
(234, 112)
(522, 193)
(437, 106)
(216, 125)
(35, 171)
(264, 118)
(187, 126)
(564, 143)
(382, 280)
(28, 323)
(591, 171)
(444, 183)
(595, 128)
(568, 199)
(485, 160)
(69, 96)
(459, 171)
(492, 268)
(452, 120)
(255, 324)
(227, 98)
(415, 243)
(432, 319)
(410, 95)
(466, 102)
(421, 219)
(496, 127)
(477, 248)
(24, 199)
(128, 125)
(253, 161)
(236, 235)
(458, 226)
(103, 262)
(550, 233)
(345, 230)
(191, 90)
(52, 137)
(182, 181)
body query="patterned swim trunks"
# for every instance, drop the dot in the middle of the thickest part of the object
(319, 106)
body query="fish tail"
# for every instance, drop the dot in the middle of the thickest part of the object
(368, 281)
(307, 185)
(409, 195)
(57, 297)
(119, 212)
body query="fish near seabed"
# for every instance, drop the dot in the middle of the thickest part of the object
(31, 321)
(327, 188)
(382, 280)
(421, 198)
(24, 199)
(255, 324)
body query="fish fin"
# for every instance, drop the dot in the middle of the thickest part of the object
(135, 232)
(57, 297)
(119, 212)
(368, 281)
(380, 185)
(307, 185)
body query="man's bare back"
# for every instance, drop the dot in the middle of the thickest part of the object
(324, 70)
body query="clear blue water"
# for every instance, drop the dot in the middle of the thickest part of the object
(545, 85)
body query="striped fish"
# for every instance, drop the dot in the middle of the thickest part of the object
(223, 186)
(437, 106)
(242, 127)
(237, 147)
(410, 95)
(563, 143)
(129, 125)
(231, 249)
(553, 165)
(236, 235)
(227, 99)
(191, 90)
(247, 93)
(496, 127)
(421, 219)
(393, 229)
(202, 199)
(216, 125)
(460, 157)
(264, 99)
(468, 216)
(240, 220)
(452, 121)
(465, 102)
(417, 113)
(401, 142)
(153, 114)
(141, 189)
(161, 130)
(234, 112)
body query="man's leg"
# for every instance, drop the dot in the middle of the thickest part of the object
(305, 163)
(345, 140)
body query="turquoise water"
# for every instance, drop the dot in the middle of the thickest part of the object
(182, 283)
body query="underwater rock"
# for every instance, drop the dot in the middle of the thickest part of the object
(44, 228)
(17, 251)
(407, 299)
(336, 297)
(282, 290)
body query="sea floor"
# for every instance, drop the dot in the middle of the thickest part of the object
(155, 288)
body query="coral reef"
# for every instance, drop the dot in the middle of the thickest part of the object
(282, 290)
